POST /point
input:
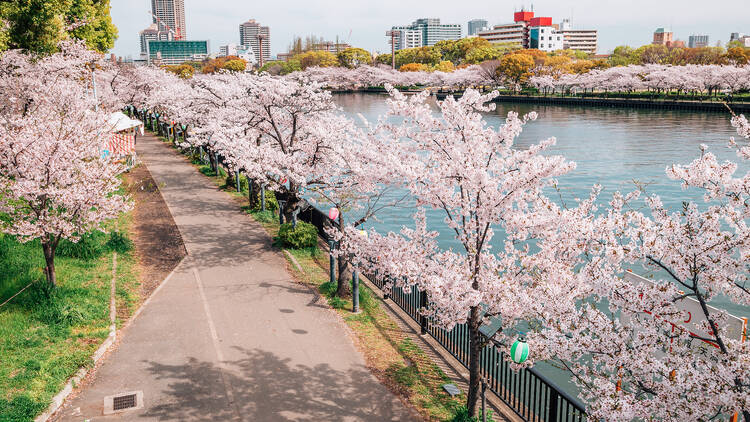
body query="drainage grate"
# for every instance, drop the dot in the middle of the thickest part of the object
(124, 402)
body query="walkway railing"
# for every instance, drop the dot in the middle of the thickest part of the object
(531, 395)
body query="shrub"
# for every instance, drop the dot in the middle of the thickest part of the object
(119, 242)
(305, 235)
(271, 203)
(90, 246)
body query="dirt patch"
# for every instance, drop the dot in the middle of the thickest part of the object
(157, 239)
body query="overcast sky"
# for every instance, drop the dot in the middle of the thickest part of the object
(630, 22)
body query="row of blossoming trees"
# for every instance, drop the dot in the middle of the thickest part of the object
(541, 267)
(557, 269)
(701, 79)
(688, 79)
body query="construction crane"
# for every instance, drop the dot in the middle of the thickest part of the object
(175, 34)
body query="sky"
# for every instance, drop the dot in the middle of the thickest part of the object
(363, 23)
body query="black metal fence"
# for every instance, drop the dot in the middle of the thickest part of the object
(530, 394)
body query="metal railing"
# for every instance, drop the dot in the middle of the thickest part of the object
(531, 395)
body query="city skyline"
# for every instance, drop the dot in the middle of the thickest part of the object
(632, 24)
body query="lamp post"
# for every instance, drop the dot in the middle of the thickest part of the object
(333, 214)
(355, 283)
(281, 210)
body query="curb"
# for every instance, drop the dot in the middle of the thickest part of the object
(294, 261)
(59, 399)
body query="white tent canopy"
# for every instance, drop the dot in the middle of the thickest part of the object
(119, 122)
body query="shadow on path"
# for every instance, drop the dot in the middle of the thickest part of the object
(266, 387)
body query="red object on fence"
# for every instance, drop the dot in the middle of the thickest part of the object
(121, 144)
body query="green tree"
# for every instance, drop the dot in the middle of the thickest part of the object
(621, 56)
(424, 55)
(184, 71)
(352, 57)
(482, 54)
(235, 65)
(39, 25)
(383, 59)
(738, 56)
(316, 58)
(516, 68)
(445, 66)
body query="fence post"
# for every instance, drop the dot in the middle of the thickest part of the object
(355, 291)
(484, 400)
(237, 181)
(552, 405)
(423, 318)
(385, 289)
(263, 197)
(332, 260)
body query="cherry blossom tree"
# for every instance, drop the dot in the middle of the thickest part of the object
(627, 345)
(456, 166)
(54, 182)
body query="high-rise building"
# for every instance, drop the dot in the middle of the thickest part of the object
(431, 31)
(255, 36)
(149, 34)
(176, 51)
(477, 25)
(529, 31)
(695, 41)
(513, 33)
(586, 40)
(409, 38)
(545, 38)
(170, 15)
(663, 37)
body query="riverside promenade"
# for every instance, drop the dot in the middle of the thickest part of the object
(230, 336)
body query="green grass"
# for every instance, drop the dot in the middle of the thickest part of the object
(46, 336)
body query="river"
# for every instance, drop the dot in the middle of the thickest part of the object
(613, 147)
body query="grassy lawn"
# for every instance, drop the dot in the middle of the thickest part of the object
(45, 337)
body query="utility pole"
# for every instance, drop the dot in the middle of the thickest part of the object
(260, 50)
(393, 34)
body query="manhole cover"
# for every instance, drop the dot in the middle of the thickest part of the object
(123, 402)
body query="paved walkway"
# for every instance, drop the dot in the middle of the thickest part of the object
(230, 336)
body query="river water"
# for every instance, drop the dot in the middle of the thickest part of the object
(613, 147)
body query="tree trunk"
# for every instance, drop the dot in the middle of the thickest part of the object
(253, 195)
(342, 286)
(212, 160)
(475, 349)
(49, 258)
